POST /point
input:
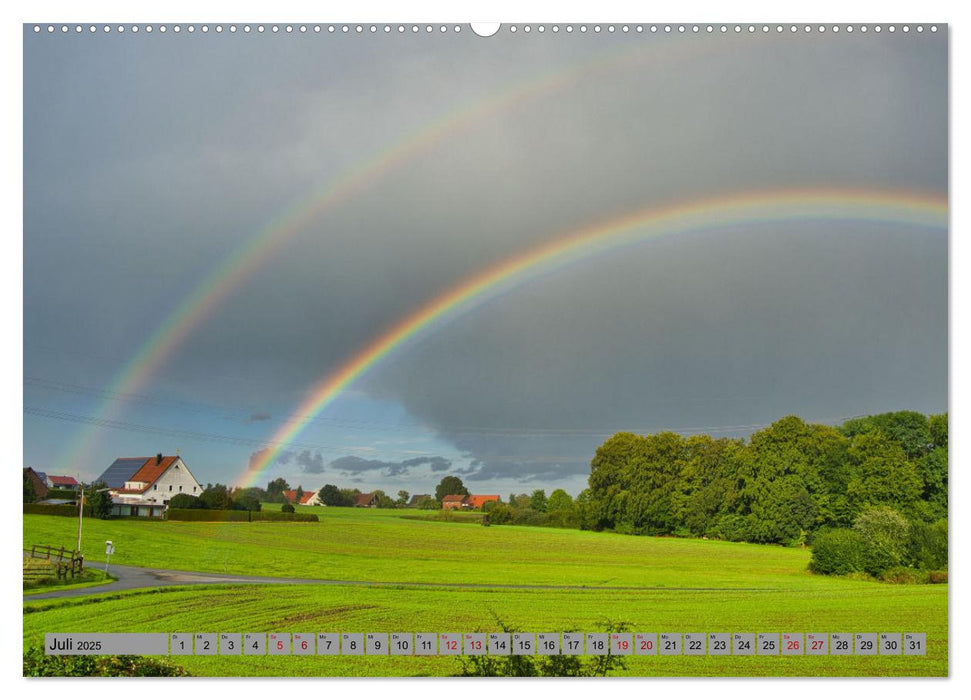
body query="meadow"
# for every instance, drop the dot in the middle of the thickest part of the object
(674, 585)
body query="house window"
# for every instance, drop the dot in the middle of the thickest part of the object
(170, 487)
(193, 489)
(180, 487)
(155, 487)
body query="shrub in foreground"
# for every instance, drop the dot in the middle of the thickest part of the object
(36, 663)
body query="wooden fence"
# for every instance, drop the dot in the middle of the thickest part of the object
(64, 563)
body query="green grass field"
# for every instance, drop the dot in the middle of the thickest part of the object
(685, 585)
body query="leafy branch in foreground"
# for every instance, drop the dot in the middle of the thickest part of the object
(559, 665)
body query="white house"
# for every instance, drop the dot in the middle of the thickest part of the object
(143, 486)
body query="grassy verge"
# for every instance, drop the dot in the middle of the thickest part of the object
(90, 577)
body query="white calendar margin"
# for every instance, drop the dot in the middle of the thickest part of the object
(476, 10)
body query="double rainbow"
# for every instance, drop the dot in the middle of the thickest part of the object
(891, 207)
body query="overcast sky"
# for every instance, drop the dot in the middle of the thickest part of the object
(148, 159)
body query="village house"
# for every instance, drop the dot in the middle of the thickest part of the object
(38, 481)
(453, 502)
(417, 498)
(64, 483)
(477, 501)
(366, 500)
(143, 486)
(308, 498)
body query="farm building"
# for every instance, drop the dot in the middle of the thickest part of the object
(38, 481)
(470, 502)
(143, 485)
(477, 501)
(308, 498)
(366, 500)
(453, 502)
(417, 498)
(65, 483)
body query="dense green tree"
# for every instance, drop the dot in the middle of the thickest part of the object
(881, 474)
(97, 497)
(216, 497)
(243, 500)
(559, 500)
(909, 429)
(287, 508)
(634, 482)
(450, 486)
(537, 501)
(330, 495)
(928, 545)
(708, 486)
(383, 500)
(784, 487)
(402, 498)
(349, 497)
(932, 468)
(275, 489)
(299, 493)
(427, 503)
(30, 493)
(938, 428)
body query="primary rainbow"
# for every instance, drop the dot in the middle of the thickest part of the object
(893, 207)
(239, 266)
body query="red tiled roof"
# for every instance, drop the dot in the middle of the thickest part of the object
(150, 473)
(290, 495)
(454, 499)
(63, 480)
(307, 497)
(477, 501)
(364, 499)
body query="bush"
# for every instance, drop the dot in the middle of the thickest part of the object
(887, 536)
(559, 665)
(186, 500)
(287, 508)
(903, 574)
(839, 551)
(37, 663)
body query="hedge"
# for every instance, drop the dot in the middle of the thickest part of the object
(66, 494)
(65, 510)
(204, 515)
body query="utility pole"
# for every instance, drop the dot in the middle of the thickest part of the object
(80, 512)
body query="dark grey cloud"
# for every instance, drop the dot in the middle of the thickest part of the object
(283, 458)
(146, 164)
(352, 464)
(310, 463)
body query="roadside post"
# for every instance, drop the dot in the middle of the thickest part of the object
(109, 550)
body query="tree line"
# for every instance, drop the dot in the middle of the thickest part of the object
(786, 482)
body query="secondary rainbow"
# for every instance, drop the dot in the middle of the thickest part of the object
(892, 207)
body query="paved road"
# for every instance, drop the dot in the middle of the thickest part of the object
(130, 577)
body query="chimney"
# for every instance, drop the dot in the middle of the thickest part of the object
(158, 458)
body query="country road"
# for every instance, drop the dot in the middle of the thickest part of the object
(131, 577)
